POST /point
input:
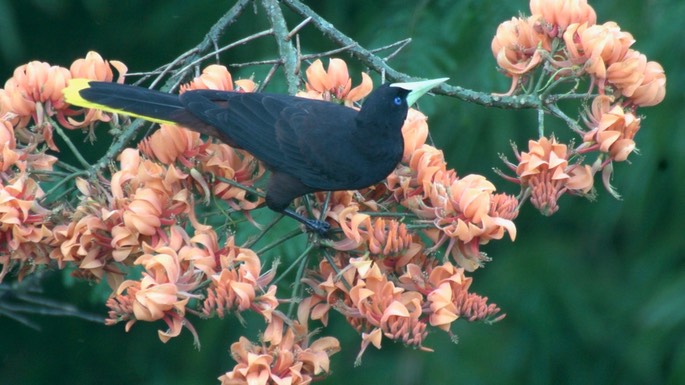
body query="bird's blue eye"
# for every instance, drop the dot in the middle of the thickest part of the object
(397, 101)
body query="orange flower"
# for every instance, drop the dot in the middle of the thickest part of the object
(381, 237)
(450, 299)
(652, 90)
(612, 128)
(335, 82)
(381, 304)
(39, 160)
(35, 92)
(559, 14)
(144, 211)
(94, 67)
(414, 132)
(504, 206)
(136, 172)
(462, 212)
(627, 74)
(9, 157)
(235, 285)
(288, 359)
(426, 167)
(164, 290)
(171, 143)
(516, 46)
(37, 82)
(227, 162)
(216, 77)
(70, 244)
(23, 226)
(597, 47)
(545, 169)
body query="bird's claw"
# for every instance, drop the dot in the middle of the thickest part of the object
(319, 227)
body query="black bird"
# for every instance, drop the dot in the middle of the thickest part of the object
(309, 145)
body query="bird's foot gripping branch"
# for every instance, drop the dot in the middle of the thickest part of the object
(177, 224)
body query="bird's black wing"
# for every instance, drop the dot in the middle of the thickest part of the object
(305, 138)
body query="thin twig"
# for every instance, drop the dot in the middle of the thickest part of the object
(70, 144)
(297, 28)
(19, 318)
(61, 183)
(401, 43)
(277, 242)
(67, 166)
(302, 57)
(573, 125)
(236, 43)
(168, 67)
(285, 47)
(297, 285)
(241, 186)
(263, 232)
(269, 76)
(293, 265)
(394, 53)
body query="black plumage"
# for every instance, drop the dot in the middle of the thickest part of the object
(309, 145)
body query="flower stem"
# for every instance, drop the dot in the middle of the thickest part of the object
(294, 264)
(70, 144)
(277, 242)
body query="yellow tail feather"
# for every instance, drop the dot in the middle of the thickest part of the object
(72, 95)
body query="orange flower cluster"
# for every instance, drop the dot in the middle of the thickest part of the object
(462, 209)
(235, 284)
(19, 158)
(175, 268)
(518, 47)
(601, 51)
(34, 94)
(557, 15)
(612, 129)
(174, 145)
(25, 230)
(24, 235)
(382, 237)
(334, 83)
(545, 169)
(564, 35)
(110, 227)
(394, 297)
(146, 197)
(140, 217)
(286, 357)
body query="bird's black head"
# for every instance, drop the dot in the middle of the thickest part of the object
(385, 107)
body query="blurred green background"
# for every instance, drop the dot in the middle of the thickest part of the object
(594, 294)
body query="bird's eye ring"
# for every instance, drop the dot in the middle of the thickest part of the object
(397, 101)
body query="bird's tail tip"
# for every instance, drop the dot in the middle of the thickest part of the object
(72, 92)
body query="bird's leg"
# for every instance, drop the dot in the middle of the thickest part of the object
(321, 227)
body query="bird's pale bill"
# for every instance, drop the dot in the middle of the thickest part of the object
(418, 89)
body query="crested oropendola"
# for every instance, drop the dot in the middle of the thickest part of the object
(309, 145)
